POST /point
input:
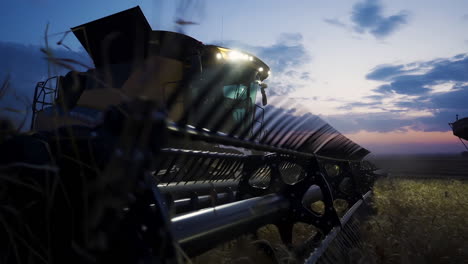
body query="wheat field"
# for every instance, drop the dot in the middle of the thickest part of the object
(413, 221)
(418, 221)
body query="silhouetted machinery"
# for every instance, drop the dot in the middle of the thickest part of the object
(161, 152)
(460, 129)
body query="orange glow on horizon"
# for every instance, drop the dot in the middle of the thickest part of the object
(400, 137)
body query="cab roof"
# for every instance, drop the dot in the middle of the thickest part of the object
(127, 37)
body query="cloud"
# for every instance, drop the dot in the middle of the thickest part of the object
(456, 99)
(287, 53)
(422, 96)
(286, 58)
(375, 97)
(406, 84)
(385, 72)
(335, 22)
(417, 78)
(306, 76)
(350, 106)
(367, 17)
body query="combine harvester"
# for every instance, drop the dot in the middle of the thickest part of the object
(161, 152)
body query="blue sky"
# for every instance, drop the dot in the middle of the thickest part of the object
(374, 69)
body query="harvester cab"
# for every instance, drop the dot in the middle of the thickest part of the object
(133, 61)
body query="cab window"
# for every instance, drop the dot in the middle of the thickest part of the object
(235, 91)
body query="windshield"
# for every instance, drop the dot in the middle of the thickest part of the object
(241, 91)
(234, 81)
(234, 87)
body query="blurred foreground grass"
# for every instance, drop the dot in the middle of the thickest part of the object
(418, 221)
(415, 221)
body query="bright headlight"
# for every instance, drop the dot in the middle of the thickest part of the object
(260, 69)
(236, 55)
(233, 55)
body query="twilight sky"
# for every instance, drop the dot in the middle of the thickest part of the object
(388, 74)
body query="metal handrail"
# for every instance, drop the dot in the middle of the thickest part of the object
(40, 97)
